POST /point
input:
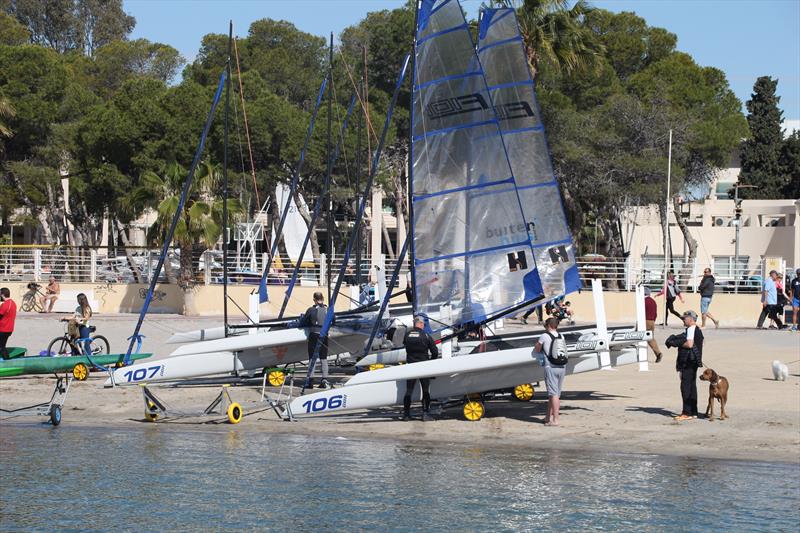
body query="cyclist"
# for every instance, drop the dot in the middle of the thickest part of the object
(78, 327)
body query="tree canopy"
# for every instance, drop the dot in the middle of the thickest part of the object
(80, 98)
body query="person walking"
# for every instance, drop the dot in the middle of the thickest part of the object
(8, 315)
(690, 358)
(650, 316)
(552, 350)
(706, 289)
(794, 290)
(52, 291)
(769, 301)
(313, 319)
(419, 347)
(537, 309)
(673, 293)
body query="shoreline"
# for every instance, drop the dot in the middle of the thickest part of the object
(619, 411)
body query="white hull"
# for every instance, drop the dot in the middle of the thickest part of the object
(485, 372)
(235, 355)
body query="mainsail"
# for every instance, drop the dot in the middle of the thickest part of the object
(471, 247)
(502, 54)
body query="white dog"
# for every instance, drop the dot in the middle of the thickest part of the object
(780, 371)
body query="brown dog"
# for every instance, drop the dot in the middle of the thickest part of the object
(717, 388)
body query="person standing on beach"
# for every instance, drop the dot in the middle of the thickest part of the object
(673, 292)
(706, 289)
(313, 319)
(553, 352)
(769, 301)
(8, 315)
(690, 358)
(794, 289)
(650, 316)
(418, 345)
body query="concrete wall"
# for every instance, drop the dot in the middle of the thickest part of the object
(201, 300)
(739, 310)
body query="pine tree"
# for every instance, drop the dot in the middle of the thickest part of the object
(761, 153)
(790, 159)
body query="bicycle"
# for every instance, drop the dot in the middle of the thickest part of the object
(66, 345)
(32, 300)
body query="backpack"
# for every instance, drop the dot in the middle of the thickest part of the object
(558, 350)
(318, 317)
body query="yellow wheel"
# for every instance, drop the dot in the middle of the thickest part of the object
(376, 366)
(276, 377)
(473, 411)
(80, 372)
(151, 412)
(523, 392)
(234, 413)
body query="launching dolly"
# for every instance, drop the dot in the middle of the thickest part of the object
(51, 409)
(155, 408)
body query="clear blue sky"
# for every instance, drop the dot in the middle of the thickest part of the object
(744, 38)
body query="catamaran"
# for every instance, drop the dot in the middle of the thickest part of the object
(488, 232)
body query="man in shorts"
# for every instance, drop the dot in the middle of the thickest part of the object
(553, 374)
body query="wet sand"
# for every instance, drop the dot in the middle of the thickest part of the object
(620, 411)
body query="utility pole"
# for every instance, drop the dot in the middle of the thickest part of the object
(666, 229)
(737, 221)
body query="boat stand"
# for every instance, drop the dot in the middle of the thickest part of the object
(288, 376)
(51, 409)
(155, 408)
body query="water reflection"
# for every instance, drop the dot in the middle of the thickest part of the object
(160, 478)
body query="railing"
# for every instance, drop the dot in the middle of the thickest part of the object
(34, 263)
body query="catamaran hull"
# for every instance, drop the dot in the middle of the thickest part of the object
(246, 354)
(478, 375)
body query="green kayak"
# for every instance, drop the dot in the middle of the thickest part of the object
(51, 365)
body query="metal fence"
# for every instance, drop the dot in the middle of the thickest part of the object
(38, 263)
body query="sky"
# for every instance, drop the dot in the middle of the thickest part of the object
(744, 38)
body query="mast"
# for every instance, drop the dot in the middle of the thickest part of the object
(330, 165)
(359, 216)
(410, 173)
(358, 192)
(225, 184)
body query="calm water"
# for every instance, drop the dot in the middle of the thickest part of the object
(168, 478)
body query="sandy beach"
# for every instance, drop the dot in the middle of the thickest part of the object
(620, 411)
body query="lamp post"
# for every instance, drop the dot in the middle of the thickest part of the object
(737, 210)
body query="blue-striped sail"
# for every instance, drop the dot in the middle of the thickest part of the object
(471, 247)
(502, 53)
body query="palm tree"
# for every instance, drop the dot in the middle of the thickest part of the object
(554, 33)
(200, 223)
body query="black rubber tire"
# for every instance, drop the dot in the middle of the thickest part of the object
(55, 415)
(59, 346)
(100, 344)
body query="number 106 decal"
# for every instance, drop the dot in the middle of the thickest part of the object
(322, 404)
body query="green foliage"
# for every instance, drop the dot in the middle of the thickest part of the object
(66, 25)
(761, 153)
(11, 31)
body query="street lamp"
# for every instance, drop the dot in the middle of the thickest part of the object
(737, 221)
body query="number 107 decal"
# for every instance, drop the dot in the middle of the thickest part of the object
(323, 404)
(141, 373)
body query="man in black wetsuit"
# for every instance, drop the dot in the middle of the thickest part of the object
(418, 345)
(313, 319)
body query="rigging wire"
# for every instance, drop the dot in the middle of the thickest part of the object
(359, 97)
(246, 126)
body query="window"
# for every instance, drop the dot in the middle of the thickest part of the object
(726, 268)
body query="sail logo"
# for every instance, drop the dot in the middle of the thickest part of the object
(517, 261)
(448, 107)
(513, 110)
(558, 254)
